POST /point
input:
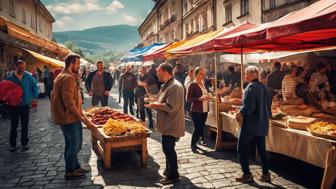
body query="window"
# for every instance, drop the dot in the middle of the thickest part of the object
(190, 4)
(24, 20)
(272, 4)
(174, 34)
(185, 6)
(204, 21)
(12, 8)
(244, 7)
(32, 21)
(197, 25)
(187, 28)
(228, 13)
(40, 26)
(192, 26)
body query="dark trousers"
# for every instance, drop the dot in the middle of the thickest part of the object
(102, 99)
(16, 113)
(128, 96)
(168, 146)
(244, 140)
(143, 109)
(199, 120)
(73, 137)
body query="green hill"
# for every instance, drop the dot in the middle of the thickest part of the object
(102, 39)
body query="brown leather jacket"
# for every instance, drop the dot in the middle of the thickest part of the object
(65, 99)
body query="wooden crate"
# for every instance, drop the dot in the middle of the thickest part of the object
(105, 145)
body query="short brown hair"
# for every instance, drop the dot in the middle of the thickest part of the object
(167, 68)
(70, 59)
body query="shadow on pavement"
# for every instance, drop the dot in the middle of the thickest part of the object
(126, 171)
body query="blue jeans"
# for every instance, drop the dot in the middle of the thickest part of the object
(73, 136)
(244, 140)
(128, 96)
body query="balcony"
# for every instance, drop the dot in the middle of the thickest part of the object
(172, 19)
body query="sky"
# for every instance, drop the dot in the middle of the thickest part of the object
(82, 14)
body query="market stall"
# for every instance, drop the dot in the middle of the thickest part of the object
(113, 131)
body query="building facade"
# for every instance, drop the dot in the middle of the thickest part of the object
(163, 24)
(234, 12)
(148, 30)
(169, 15)
(275, 9)
(29, 14)
(26, 34)
(198, 17)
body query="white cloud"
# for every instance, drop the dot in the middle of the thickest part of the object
(115, 6)
(131, 20)
(64, 21)
(74, 7)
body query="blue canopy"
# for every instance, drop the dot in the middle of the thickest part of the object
(136, 54)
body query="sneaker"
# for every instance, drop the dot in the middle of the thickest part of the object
(245, 179)
(13, 149)
(169, 180)
(265, 177)
(194, 149)
(73, 175)
(81, 170)
(202, 142)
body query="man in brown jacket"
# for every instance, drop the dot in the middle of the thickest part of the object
(66, 110)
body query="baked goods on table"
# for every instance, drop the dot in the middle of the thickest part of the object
(100, 115)
(123, 128)
(323, 129)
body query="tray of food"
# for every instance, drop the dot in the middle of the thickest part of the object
(324, 129)
(299, 122)
(98, 116)
(121, 129)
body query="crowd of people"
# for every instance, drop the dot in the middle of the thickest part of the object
(173, 92)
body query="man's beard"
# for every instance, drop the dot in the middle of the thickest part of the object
(19, 72)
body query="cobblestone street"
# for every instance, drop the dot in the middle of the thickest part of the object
(42, 166)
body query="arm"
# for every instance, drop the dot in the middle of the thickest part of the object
(109, 81)
(172, 100)
(68, 89)
(248, 102)
(88, 82)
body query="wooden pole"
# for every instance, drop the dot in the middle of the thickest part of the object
(242, 71)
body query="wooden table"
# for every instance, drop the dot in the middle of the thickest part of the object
(297, 144)
(105, 145)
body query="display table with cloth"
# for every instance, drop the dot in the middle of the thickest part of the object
(297, 144)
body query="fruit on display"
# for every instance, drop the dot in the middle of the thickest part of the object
(100, 115)
(119, 128)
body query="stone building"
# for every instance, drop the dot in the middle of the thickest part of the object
(26, 33)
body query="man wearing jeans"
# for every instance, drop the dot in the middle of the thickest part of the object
(170, 119)
(98, 84)
(256, 111)
(30, 93)
(127, 84)
(66, 110)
